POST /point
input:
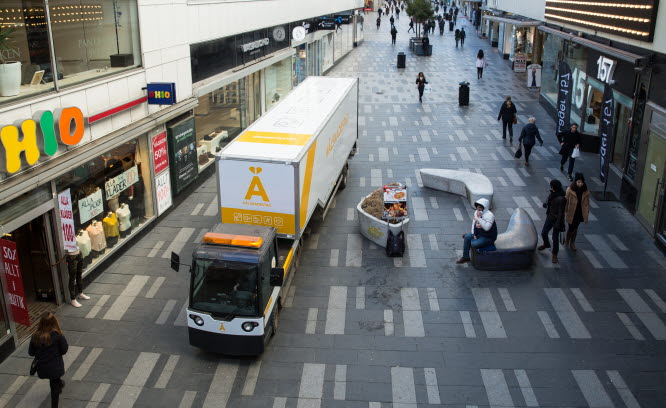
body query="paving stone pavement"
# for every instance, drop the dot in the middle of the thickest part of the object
(414, 332)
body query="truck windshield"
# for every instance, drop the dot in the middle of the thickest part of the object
(225, 289)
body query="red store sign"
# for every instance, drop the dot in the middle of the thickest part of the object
(160, 156)
(12, 270)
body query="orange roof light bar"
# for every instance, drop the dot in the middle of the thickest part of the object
(231, 239)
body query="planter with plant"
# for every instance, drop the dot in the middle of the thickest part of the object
(10, 71)
(370, 213)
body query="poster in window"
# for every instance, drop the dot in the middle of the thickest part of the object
(534, 76)
(91, 206)
(182, 154)
(160, 155)
(12, 269)
(67, 221)
(520, 62)
(163, 191)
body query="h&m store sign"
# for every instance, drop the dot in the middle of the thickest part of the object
(28, 140)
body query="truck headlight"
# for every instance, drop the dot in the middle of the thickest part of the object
(249, 326)
(197, 320)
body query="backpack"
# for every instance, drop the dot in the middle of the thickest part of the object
(395, 244)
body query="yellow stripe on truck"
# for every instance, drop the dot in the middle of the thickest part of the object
(283, 223)
(307, 182)
(291, 139)
(270, 300)
(287, 262)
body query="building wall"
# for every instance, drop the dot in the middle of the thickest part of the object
(532, 8)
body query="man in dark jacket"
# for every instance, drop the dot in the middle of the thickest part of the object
(555, 206)
(392, 20)
(569, 140)
(528, 138)
(463, 34)
(394, 33)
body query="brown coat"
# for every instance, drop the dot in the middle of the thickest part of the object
(572, 202)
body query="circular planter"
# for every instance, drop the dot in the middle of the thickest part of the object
(376, 230)
(10, 78)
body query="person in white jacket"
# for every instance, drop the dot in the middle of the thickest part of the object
(484, 230)
(480, 64)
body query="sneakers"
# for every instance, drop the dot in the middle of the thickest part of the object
(542, 247)
(555, 259)
(75, 303)
(83, 296)
(569, 177)
(463, 261)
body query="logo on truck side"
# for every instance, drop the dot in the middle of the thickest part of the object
(256, 189)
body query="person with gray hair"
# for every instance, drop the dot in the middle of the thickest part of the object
(528, 138)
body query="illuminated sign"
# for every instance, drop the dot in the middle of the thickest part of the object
(626, 18)
(161, 93)
(37, 136)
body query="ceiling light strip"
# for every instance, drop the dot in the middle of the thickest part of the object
(638, 19)
(605, 26)
(593, 3)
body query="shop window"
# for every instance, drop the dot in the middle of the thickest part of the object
(299, 62)
(552, 55)
(278, 82)
(622, 118)
(593, 111)
(112, 196)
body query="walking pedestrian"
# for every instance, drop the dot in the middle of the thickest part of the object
(480, 64)
(411, 26)
(397, 13)
(457, 36)
(48, 345)
(554, 206)
(379, 22)
(394, 33)
(577, 210)
(569, 140)
(441, 26)
(463, 34)
(508, 115)
(392, 20)
(484, 230)
(528, 137)
(420, 84)
(379, 11)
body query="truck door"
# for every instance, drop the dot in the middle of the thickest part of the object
(265, 282)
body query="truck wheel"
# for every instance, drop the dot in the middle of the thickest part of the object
(343, 182)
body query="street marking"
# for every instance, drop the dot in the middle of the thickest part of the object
(497, 389)
(656, 299)
(289, 301)
(181, 317)
(620, 246)
(221, 386)
(166, 311)
(388, 323)
(467, 324)
(199, 238)
(354, 253)
(87, 363)
(125, 299)
(593, 259)
(458, 214)
(280, 402)
(360, 297)
(650, 319)
(492, 323)
(313, 242)
(592, 389)
(212, 209)
(464, 154)
(311, 323)
(350, 214)
(506, 299)
(156, 249)
(522, 202)
(167, 372)
(415, 252)
(431, 386)
(337, 308)
(340, 387)
(423, 154)
(155, 287)
(361, 182)
(376, 177)
(98, 306)
(388, 135)
(419, 209)
(504, 153)
(631, 328)
(548, 325)
(335, 255)
(433, 202)
(196, 209)
(432, 299)
(622, 389)
(599, 244)
(411, 312)
(383, 154)
(461, 135)
(403, 388)
(453, 157)
(371, 157)
(251, 378)
(188, 399)
(129, 392)
(419, 181)
(526, 388)
(567, 314)
(98, 396)
(514, 177)
(312, 386)
(11, 391)
(433, 242)
(502, 181)
(179, 242)
(582, 301)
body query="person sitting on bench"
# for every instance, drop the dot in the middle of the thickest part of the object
(484, 230)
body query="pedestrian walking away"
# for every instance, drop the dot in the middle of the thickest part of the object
(484, 230)
(397, 13)
(480, 64)
(379, 22)
(392, 20)
(528, 137)
(379, 11)
(420, 85)
(508, 115)
(411, 26)
(463, 34)
(394, 33)
(47, 346)
(555, 207)
(577, 209)
(457, 36)
(569, 141)
(441, 27)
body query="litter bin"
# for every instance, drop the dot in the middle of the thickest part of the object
(463, 94)
(450, 25)
(402, 59)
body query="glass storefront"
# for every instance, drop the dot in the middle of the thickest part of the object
(344, 41)
(300, 64)
(112, 195)
(90, 39)
(522, 41)
(278, 81)
(327, 48)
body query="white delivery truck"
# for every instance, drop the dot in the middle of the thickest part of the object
(271, 180)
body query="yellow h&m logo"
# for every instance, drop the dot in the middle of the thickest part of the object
(256, 188)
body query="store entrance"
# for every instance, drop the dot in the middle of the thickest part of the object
(35, 260)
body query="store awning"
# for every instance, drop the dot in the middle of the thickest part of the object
(635, 59)
(515, 21)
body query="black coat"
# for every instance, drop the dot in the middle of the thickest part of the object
(529, 135)
(569, 138)
(49, 358)
(507, 113)
(555, 208)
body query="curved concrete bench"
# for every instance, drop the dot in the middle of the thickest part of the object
(376, 230)
(474, 186)
(515, 247)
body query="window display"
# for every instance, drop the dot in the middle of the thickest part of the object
(278, 82)
(111, 197)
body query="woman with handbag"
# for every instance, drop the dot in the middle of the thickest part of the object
(528, 138)
(555, 209)
(578, 209)
(420, 84)
(570, 142)
(48, 345)
(508, 115)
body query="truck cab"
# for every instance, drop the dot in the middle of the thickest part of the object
(234, 301)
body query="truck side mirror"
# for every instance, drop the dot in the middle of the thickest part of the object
(277, 276)
(175, 261)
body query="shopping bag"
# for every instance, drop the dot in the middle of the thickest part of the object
(576, 153)
(427, 89)
(515, 119)
(519, 152)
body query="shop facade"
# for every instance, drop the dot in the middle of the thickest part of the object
(515, 35)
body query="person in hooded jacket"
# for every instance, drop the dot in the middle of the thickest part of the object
(577, 210)
(555, 207)
(528, 137)
(484, 230)
(507, 113)
(48, 345)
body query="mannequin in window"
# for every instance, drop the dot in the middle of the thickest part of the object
(74, 268)
(111, 232)
(124, 220)
(84, 244)
(97, 240)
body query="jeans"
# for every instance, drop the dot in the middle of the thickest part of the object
(56, 389)
(393, 40)
(571, 162)
(421, 89)
(480, 242)
(462, 42)
(547, 226)
(506, 123)
(74, 269)
(528, 151)
(479, 73)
